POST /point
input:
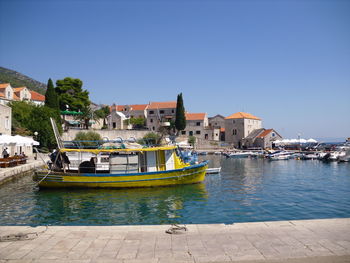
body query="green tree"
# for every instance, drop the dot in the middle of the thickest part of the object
(51, 98)
(180, 119)
(29, 118)
(138, 123)
(70, 93)
(102, 113)
(192, 140)
(89, 139)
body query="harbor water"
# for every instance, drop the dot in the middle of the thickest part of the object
(247, 190)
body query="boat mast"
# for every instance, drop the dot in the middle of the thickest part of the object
(57, 134)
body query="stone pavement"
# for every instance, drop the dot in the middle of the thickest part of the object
(319, 241)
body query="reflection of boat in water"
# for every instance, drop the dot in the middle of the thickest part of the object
(117, 167)
(124, 206)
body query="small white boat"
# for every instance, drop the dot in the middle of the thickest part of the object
(280, 156)
(213, 170)
(239, 154)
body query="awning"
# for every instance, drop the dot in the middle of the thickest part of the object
(73, 122)
(17, 140)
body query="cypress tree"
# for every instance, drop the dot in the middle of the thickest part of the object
(51, 98)
(180, 120)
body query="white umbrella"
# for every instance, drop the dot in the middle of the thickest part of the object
(311, 140)
(7, 139)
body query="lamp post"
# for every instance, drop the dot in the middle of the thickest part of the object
(35, 138)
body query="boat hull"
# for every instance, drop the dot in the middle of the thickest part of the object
(188, 175)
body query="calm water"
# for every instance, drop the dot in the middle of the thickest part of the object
(246, 190)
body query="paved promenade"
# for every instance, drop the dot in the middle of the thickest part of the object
(326, 240)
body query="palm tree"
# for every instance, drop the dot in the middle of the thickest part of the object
(86, 116)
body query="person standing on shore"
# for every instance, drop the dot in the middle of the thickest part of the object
(5, 154)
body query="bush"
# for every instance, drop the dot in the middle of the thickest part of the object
(192, 140)
(89, 139)
(150, 138)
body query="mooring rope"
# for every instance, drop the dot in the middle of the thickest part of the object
(21, 236)
(175, 229)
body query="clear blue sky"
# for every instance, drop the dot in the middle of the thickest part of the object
(287, 62)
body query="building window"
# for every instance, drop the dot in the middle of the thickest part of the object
(161, 112)
(183, 132)
(273, 134)
(172, 111)
(234, 132)
(151, 112)
(233, 121)
(198, 123)
(8, 95)
(206, 136)
(198, 132)
(7, 123)
(114, 125)
(190, 133)
(216, 134)
(153, 128)
(151, 120)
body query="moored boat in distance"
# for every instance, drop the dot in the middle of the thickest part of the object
(280, 155)
(214, 170)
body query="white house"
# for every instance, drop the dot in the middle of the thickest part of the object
(116, 119)
(5, 119)
(6, 93)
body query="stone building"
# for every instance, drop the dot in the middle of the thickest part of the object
(261, 138)
(160, 113)
(217, 124)
(238, 126)
(196, 125)
(5, 119)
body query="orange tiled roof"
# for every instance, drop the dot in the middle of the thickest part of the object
(37, 96)
(4, 85)
(15, 97)
(242, 115)
(138, 106)
(2, 95)
(132, 107)
(195, 116)
(264, 133)
(162, 105)
(116, 108)
(18, 89)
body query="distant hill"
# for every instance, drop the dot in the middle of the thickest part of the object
(17, 79)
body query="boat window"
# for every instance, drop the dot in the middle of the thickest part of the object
(124, 163)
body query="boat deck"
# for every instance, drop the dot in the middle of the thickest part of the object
(324, 240)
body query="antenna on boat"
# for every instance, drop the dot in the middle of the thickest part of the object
(56, 133)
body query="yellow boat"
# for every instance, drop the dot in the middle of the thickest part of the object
(119, 168)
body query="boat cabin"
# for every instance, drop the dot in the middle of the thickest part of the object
(119, 161)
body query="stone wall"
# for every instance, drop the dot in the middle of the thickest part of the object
(110, 134)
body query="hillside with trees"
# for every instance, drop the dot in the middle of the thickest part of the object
(17, 79)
